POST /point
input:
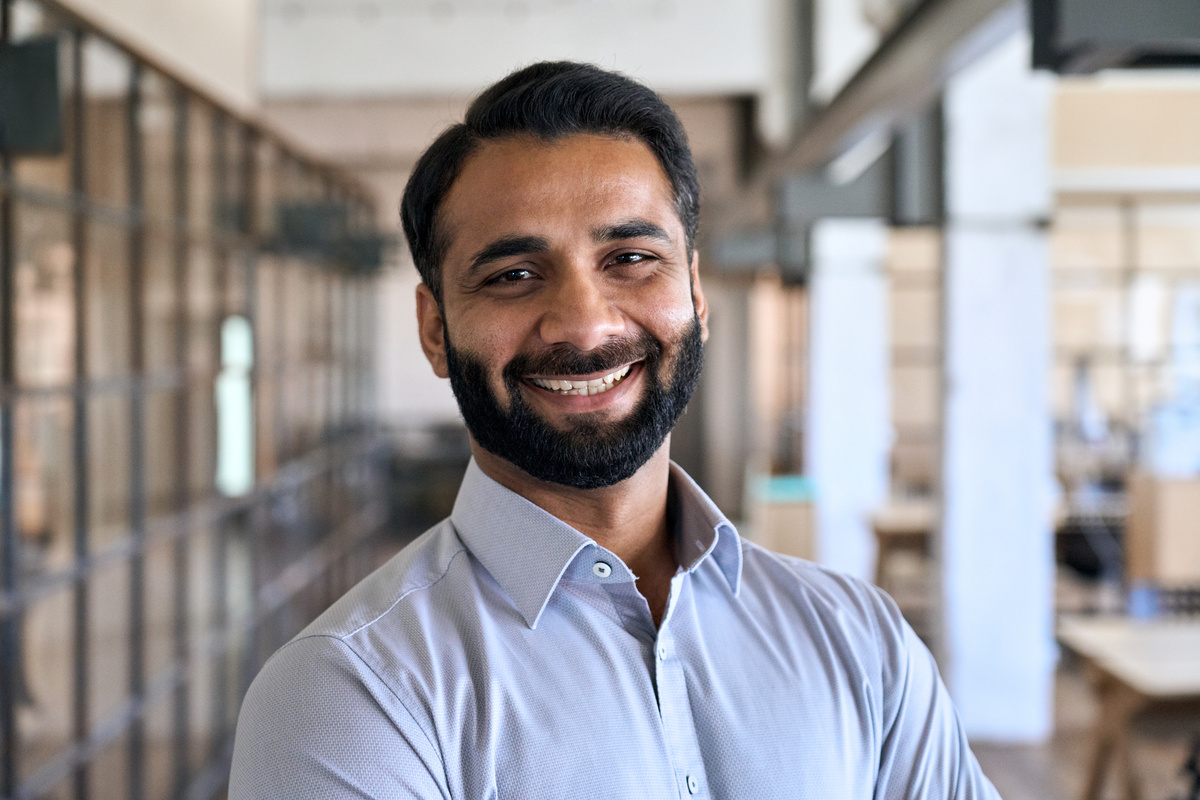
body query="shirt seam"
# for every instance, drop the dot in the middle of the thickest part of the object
(392, 691)
(342, 637)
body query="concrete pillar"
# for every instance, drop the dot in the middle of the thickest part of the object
(996, 547)
(849, 429)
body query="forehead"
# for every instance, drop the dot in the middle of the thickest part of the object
(527, 185)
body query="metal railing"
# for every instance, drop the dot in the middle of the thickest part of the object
(139, 593)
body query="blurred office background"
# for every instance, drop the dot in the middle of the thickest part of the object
(952, 253)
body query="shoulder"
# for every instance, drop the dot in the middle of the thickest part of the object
(853, 609)
(405, 579)
(334, 667)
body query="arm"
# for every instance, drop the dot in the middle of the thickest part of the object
(924, 753)
(318, 722)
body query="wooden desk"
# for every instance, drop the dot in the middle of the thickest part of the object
(1132, 664)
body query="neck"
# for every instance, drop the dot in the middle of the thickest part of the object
(628, 518)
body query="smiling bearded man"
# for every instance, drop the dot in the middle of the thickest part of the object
(587, 623)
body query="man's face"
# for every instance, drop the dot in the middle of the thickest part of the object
(573, 318)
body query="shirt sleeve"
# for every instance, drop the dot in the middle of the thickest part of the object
(318, 722)
(924, 751)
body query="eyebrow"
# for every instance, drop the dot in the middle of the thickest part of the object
(505, 247)
(633, 229)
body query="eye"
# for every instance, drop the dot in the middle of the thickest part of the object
(629, 259)
(515, 275)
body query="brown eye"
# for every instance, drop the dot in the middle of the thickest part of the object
(631, 258)
(512, 276)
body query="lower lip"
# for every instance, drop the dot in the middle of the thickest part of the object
(580, 403)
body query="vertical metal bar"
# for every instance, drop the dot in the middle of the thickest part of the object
(346, 350)
(137, 455)
(248, 194)
(220, 575)
(180, 714)
(80, 432)
(330, 426)
(10, 644)
(370, 343)
(279, 364)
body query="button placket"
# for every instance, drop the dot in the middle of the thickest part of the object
(675, 710)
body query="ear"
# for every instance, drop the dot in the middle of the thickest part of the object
(698, 299)
(431, 328)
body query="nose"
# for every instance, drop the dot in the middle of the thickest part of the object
(580, 314)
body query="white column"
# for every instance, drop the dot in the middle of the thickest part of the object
(848, 434)
(996, 548)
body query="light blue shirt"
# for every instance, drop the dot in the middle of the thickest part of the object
(503, 654)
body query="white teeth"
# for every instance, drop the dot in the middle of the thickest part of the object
(573, 388)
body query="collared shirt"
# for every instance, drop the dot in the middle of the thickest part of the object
(504, 654)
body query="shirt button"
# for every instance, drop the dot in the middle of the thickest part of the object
(692, 784)
(662, 651)
(601, 569)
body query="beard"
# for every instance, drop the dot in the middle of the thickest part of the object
(590, 452)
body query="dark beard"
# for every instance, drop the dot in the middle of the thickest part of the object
(592, 453)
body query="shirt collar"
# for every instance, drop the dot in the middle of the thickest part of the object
(527, 550)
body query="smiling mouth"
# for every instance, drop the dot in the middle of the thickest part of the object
(579, 388)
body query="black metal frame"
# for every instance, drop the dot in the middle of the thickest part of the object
(305, 531)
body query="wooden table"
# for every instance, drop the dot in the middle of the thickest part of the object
(902, 525)
(1132, 664)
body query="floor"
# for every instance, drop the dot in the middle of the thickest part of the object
(1055, 770)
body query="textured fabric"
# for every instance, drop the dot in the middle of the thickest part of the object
(505, 655)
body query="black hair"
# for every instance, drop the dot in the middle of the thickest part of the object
(549, 100)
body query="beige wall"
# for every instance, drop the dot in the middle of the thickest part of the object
(1102, 124)
(212, 42)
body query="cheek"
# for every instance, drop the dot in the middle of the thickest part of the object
(490, 340)
(668, 321)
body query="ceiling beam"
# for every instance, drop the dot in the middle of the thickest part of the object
(909, 69)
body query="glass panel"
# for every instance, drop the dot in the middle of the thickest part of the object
(156, 122)
(200, 170)
(267, 190)
(107, 284)
(106, 74)
(161, 304)
(43, 483)
(46, 680)
(160, 607)
(45, 307)
(158, 761)
(162, 452)
(202, 440)
(202, 311)
(108, 467)
(108, 629)
(110, 772)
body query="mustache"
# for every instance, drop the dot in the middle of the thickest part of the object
(564, 359)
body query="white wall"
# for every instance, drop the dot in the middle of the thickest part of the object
(212, 42)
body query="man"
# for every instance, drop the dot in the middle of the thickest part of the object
(587, 623)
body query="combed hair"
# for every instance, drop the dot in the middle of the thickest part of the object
(549, 100)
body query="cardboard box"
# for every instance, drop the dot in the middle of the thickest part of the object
(781, 514)
(1162, 534)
